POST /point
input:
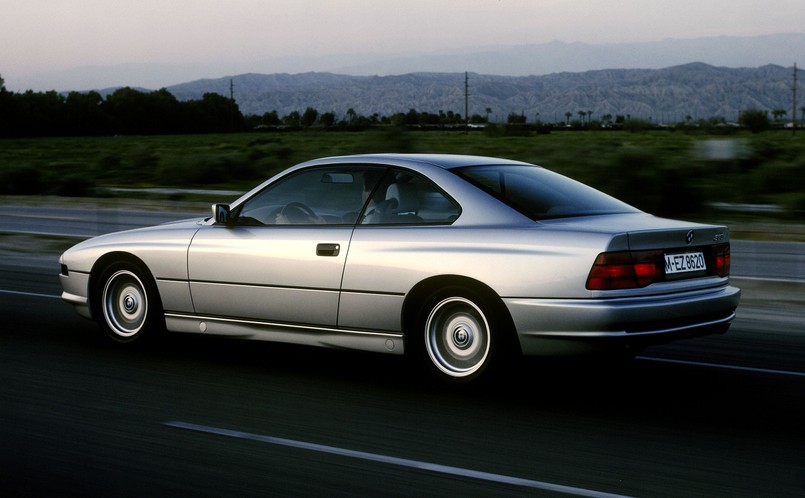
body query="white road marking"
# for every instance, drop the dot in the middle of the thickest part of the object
(722, 366)
(769, 279)
(30, 294)
(402, 462)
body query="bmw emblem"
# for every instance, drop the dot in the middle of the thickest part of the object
(689, 237)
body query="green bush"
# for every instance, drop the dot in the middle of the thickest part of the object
(75, 184)
(651, 182)
(22, 179)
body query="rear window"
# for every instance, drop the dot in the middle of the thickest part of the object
(541, 194)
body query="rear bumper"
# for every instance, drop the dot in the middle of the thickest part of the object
(576, 326)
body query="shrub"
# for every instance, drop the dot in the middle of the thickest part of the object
(22, 179)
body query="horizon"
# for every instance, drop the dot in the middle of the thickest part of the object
(50, 44)
(182, 74)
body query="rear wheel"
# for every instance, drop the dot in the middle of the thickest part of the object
(461, 335)
(128, 304)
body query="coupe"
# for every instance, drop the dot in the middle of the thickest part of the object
(461, 262)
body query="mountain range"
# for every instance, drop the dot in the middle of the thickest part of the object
(672, 94)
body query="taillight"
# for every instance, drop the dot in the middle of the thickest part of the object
(721, 257)
(626, 270)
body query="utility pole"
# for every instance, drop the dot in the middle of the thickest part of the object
(794, 103)
(466, 103)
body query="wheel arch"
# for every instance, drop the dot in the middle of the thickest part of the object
(418, 295)
(105, 261)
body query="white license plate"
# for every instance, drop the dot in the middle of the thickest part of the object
(683, 263)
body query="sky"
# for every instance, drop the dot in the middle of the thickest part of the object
(44, 40)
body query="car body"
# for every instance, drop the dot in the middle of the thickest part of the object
(457, 260)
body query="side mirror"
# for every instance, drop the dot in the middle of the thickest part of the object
(220, 212)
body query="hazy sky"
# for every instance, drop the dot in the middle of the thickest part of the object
(47, 36)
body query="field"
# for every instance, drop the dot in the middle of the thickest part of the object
(664, 172)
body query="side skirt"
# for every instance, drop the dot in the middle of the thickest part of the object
(378, 342)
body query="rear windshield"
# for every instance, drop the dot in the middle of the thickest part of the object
(541, 194)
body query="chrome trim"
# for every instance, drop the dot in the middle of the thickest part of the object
(363, 340)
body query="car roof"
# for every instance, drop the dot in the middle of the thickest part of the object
(445, 161)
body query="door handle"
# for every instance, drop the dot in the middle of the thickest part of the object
(328, 249)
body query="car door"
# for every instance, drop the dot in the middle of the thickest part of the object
(281, 258)
(400, 241)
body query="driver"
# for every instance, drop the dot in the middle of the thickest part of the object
(297, 213)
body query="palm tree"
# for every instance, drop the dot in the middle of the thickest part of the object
(568, 115)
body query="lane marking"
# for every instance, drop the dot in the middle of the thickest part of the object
(30, 294)
(42, 217)
(770, 279)
(6, 231)
(722, 366)
(401, 462)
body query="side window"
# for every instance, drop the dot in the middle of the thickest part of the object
(319, 196)
(403, 197)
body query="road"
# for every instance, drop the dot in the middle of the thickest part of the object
(715, 416)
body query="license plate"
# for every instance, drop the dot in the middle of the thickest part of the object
(683, 263)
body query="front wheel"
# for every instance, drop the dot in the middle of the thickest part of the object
(128, 303)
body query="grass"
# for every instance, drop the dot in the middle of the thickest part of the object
(661, 171)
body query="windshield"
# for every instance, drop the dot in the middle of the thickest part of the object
(541, 194)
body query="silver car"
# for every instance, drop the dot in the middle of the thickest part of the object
(458, 261)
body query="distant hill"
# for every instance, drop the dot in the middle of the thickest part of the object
(662, 95)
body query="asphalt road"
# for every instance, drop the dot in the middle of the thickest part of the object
(715, 416)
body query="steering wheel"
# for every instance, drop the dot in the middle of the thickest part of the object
(297, 213)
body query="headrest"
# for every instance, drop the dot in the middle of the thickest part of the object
(406, 196)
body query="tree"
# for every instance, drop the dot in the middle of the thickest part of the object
(568, 115)
(327, 119)
(271, 119)
(755, 120)
(292, 120)
(309, 117)
(84, 114)
(515, 118)
(778, 113)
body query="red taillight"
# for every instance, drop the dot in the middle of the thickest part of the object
(625, 270)
(722, 260)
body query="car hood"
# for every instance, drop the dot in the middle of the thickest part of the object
(138, 233)
(138, 241)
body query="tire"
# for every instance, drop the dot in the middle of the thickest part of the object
(461, 336)
(129, 308)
